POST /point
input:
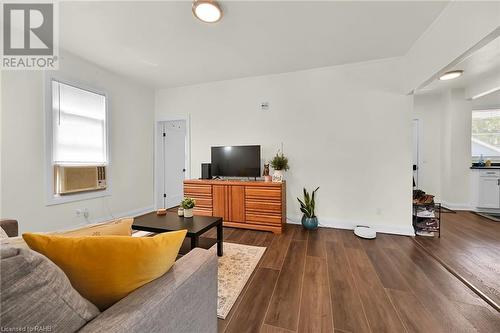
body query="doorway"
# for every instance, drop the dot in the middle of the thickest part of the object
(172, 162)
(416, 152)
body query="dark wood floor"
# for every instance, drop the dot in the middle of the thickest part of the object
(331, 281)
(470, 245)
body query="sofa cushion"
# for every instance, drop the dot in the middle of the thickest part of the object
(104, 269)
(35, 292)
(120, 227)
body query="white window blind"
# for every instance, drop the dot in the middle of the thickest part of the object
(79, 125)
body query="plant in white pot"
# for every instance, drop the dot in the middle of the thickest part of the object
(188, 204)
(280, 165)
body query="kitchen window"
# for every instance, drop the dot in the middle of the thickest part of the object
(485, 134)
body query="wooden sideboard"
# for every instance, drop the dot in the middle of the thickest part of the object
(254, 205)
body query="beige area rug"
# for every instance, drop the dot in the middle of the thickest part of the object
(235, 268)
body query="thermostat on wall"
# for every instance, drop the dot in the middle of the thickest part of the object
(264, 106)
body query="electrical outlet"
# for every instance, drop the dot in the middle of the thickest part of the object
(264, 106)
(79, 212)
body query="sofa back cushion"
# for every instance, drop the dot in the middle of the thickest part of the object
(36, 293)
(120, 227)
(105, 269)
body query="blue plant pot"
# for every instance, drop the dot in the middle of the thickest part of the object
(310, 223)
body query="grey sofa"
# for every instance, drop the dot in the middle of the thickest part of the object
(183, 300)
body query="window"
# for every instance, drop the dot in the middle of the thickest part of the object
(486, 134)
(79, 126)
(77, 143)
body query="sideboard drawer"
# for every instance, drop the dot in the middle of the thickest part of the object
(193, 190)
(263, 193)
(263, 206)
(200, 211)
(205, 202)
(263, 218)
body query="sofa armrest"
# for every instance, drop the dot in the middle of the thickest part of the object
(182, 300)
(10, 227)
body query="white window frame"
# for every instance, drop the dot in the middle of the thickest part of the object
(475, 159)
(51, 197)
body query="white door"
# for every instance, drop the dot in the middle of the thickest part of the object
(173, 162)
(489, 192)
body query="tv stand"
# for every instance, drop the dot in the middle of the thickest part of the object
(256, 205)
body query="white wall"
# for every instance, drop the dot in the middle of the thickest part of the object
(345, 128)
(446, 146)
(428, 110)
(131, 110)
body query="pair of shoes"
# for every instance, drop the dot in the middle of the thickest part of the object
(426, 213)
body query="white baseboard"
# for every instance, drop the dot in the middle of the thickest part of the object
(457, 206)
(349, 225)
(131, 213)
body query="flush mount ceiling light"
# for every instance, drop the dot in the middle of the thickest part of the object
(451, 75)
(207, 11)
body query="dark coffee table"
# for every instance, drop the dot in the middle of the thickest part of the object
(195, 226)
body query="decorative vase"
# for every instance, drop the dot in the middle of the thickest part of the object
(188, 212)
(310, 223)
(180, 211)
(278, 176)
(268, 178)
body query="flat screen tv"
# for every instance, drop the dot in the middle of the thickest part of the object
(236, 161)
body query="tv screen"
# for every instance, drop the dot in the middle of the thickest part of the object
(236, 161)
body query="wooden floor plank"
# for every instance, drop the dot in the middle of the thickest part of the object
(470, 245)
(381, 314)
(272, 329)
(299, 232)
(315, 308)
(413, 314)
(252, 309)
(387, 273)
(483, 319)
(315, 243)
(348, 312)
(285, 303)
(276, 252)
(428, 293)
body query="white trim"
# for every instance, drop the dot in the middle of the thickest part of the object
(457, 206)
(50, 198)
(157, 162)
(349, 225)
(132, 213)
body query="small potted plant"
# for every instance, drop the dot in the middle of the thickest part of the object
(187, 205)
(280, 165)
(309, 219)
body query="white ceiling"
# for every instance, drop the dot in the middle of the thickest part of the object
(481, 71)
(162, 45)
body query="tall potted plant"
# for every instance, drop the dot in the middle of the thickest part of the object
(307, 206)
(280, 165)
(188, 204)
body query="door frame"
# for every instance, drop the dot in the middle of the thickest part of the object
(157, 153)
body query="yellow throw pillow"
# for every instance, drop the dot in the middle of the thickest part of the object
(104, 269)
(121, 227)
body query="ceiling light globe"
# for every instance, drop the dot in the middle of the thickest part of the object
(451, 75)
(207, 11)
